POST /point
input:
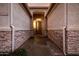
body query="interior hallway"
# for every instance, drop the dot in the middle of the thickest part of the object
(58, 24)
(41, 46)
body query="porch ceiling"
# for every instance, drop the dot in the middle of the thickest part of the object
(38, 5)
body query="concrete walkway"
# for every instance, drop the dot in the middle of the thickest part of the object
(40, 46)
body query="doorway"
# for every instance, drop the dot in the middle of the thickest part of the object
(37, 23)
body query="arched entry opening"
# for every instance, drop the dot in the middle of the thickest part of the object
(37, 22)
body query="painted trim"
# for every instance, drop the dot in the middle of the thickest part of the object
(64, 40)
(12, 37)
(19, 28)
(73, 28)
(55, 28)
(12, 29)
(5, 29)
(65, 29)
(4, 15)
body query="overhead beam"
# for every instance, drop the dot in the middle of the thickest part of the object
(50, 9)
(38, 7)
(25, 6)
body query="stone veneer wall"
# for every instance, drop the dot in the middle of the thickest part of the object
(21, 36)
(72, 42)
(57, 37)
(5, 41)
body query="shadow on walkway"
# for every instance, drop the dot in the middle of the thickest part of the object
(40, 46)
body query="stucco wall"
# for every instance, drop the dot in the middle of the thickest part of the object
(21, 19)
(4, 16)
(56, 18)
(73, 16)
